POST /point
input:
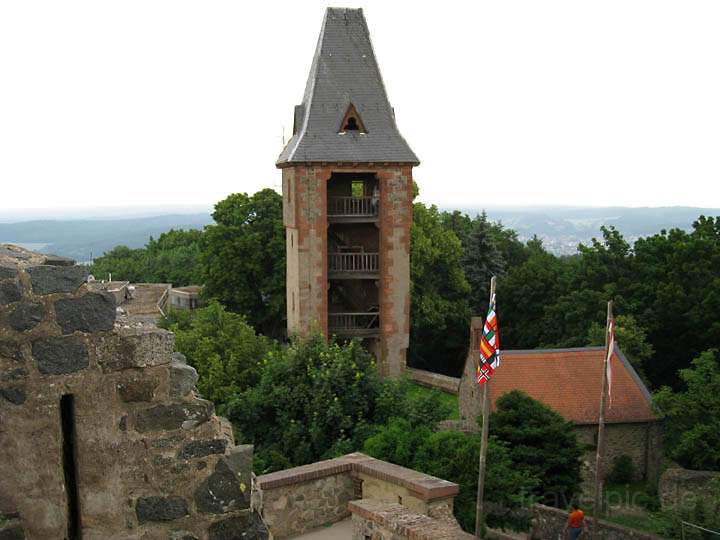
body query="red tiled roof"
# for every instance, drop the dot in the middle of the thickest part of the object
(569, 380)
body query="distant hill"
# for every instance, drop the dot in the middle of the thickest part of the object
(561, 228)
(83, 239)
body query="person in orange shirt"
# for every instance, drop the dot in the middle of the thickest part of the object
(576, 522)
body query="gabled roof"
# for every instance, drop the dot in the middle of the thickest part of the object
(569, 380)
(344, 72)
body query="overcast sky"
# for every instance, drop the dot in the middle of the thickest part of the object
(508, 102)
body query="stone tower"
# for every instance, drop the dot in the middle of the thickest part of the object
(347, 199)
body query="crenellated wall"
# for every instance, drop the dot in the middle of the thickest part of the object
(101, 433)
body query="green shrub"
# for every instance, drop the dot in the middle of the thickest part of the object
(541, 443)
(314, 400)
(454, 456)
(222, 347)
(623, 470)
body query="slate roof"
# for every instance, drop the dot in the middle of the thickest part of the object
(568, 380)
(344, 71)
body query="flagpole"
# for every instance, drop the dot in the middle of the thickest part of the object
(597, 503)
(480, 507)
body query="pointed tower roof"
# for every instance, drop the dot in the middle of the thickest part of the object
(345, 81)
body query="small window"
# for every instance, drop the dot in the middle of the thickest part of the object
(351, 122)
(357, 189)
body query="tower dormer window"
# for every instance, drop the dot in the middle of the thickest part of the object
(351, 122)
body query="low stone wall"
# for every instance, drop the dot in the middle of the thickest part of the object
(382, 520)
(678, 486)
(548, 524)
(297, 500)
(434, 380)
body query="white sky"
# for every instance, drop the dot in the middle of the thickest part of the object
(507, 102)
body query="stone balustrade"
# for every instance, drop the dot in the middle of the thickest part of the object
(297, 500)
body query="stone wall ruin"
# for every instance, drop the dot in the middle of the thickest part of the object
(101, 433)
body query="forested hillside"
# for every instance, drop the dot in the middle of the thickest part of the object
(666, 286)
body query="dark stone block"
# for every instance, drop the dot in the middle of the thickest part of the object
(196, 449)
(10, 291)
(14, 374)
(160, 509)
(221, 492)
(8, 272)
(134, 390)
(123, 423)
(13, 532)
(48, 279)
(56, 260)
(92, 312)
(244, 527)
(26, 316)
(11, 350)
(58, 355)
(175, 416)
(16, 396)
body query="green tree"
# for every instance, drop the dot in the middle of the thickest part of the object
(481, 260)
(541, 443)
(122, 263)
(692, 416)
(525, 292)
(243, 259)
(439, 310)
(224, 350)
(314, 400)
(629, 335)
(173, 258)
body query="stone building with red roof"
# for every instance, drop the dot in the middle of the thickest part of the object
(569, 381)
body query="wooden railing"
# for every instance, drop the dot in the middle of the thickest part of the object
(352, 206)
(338, 322)
(353, 262)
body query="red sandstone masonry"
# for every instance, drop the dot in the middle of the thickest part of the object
(424, 486)
(403, 522)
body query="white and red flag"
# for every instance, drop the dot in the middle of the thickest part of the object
(489, 346)
(608, 361)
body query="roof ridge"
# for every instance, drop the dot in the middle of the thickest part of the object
(554, 350)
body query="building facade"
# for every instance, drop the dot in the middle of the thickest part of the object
(347, 200)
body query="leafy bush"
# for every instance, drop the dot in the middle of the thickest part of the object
(222, 347)
(692, 427)
(623, 470)
(454, 456)
(313, 400)
(541, 443)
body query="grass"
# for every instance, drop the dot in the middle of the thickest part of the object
(629, 507)
(449, 401)
(651, 523)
